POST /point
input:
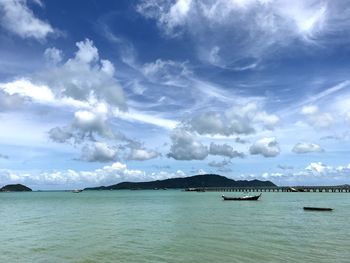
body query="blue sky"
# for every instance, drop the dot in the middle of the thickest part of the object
(100, 92)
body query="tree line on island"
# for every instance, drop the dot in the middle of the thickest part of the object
(196, 181)
(15, 188)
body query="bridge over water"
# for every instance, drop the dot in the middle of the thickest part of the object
(330, 189)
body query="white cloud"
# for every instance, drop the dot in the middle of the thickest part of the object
(107, 175)
(82, 81)
(166, 71)
(18, 19)
(89, 122)
(309, 110)
(86, 77)
(304, 147)
(317, 118)
(98, 152)
(186, 147)
(53, 55)
(9, 102)
(237, 29)
(224, 150)
(87, 52)
(134, 115)
(142, 154)
(169, 16)
(209, 123)
(219, 164)
(318, 168)
(267, 147)
(86, 125)
(61, 134)
(239, 119)
(26, 89)
(316, 173)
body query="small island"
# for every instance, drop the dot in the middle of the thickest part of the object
(196, 181)
(15, 188)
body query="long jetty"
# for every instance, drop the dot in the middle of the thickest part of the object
(327, 189)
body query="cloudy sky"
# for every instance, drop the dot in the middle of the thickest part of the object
(100, 92)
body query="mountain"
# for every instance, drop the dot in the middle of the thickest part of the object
(15, 188)
(205, 180)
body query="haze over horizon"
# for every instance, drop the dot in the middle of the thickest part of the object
(101, 92)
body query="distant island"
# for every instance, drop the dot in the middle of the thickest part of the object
(196, 181)
(15, 188)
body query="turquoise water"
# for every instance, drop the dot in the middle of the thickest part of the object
(172, 226)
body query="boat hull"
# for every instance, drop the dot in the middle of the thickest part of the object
(245, 198)
(308, 208)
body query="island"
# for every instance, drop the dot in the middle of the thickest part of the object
(15, 188)
(196, 181)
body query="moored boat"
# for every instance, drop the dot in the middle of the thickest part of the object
(243, 198)
(77, 191)
(310, 208)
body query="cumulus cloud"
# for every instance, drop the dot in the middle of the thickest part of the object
(61, 134)
(17, 18)
(26, 89)
(98, 152)
(86, 77)
(53, 55)
(93, 122)
(219, 164)
(317, 118)
(142, 154)
(224, 150)
(110, 174)
(312, 174)
(86, 125)
(318, 168)
(84, 85)
(83, 81)
(240, 119)
(304, 147)
(186, 147)
(10, 102)
(165, 71)
(267, 147)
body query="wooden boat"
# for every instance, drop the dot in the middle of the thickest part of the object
(243, 198)
(309, 208)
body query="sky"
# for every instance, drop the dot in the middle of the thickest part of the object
(99, 92)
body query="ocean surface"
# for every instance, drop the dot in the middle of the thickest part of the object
(172, 226)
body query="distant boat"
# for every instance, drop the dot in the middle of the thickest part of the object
(77, 191)
(194, 190)
(243, 198)
(292, 189)
(309, 208)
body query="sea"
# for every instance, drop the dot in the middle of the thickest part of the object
(172, 226)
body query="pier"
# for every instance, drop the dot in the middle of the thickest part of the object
(320, 189)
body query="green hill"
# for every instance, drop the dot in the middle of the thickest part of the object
(205, 180)
(15, 188)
